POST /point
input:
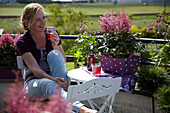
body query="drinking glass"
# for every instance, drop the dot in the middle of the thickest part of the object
(96, 68)
(51, 36)
(50, 32)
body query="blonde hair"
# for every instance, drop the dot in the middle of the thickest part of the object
(28, 14)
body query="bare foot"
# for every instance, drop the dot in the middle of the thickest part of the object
(84, 109)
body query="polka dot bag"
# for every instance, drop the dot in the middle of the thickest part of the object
(120, 65)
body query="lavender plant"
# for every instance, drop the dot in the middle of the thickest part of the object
(161, 26)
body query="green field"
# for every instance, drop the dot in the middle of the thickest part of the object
(93, 8)
(12, 25)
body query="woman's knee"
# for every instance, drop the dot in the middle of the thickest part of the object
(54, 54)
(45, 82)
(56, 61)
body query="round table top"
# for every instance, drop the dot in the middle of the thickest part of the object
(80, 75)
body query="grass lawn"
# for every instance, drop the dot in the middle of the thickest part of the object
(12, 25)
(88, 9)
(100, 9)
(70, 65)
(93, 8)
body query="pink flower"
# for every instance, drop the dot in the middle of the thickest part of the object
(83, 27)
(17, 103)
(111, 24)
(106, 14)
(57, 104)
(85, 33)
(6, 40)
(161, 26)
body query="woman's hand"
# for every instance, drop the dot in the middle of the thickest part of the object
(54, 37)
(61, 82)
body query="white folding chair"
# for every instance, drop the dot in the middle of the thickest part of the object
(95, 88)
(1, 31)
(20, 65)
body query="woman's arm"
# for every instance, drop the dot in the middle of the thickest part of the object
(55, 41)
(34, 67)
(38, 72)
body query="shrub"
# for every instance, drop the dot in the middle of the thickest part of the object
(162, 95)
(162, 58)
(147, 34)
(67, 21)
(134, 29)
(151, 78)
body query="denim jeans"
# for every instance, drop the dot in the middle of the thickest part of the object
(46, 87)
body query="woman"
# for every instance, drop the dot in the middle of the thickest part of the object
(44, 67)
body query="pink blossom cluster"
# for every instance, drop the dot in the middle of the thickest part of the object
(57, 104)
(84, 27)
(162, 25)
(115, 24)
(7, 39)
(17, 103)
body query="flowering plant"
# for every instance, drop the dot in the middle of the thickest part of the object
(81, 47)
(16, 103)
(117, 39)
(162, 29)
(8, 49)
(161, 26)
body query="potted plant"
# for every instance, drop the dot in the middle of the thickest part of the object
(119, 51)
(81, 46)
(8, 53)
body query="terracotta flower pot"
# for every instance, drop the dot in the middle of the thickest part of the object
(120, 65)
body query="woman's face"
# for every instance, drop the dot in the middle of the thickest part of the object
(39, 22)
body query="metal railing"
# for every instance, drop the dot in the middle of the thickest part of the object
(144, 40)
